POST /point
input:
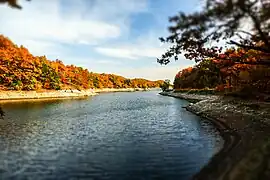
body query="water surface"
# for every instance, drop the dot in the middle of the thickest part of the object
(114, 136)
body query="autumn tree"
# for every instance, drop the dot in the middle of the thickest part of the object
(20, 70)
(227, 76)
(205, 74)
(190, 34)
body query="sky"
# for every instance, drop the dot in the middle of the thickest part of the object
(110, 36)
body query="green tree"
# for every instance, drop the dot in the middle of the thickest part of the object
(166, 85)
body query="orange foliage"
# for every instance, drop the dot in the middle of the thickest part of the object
(20, 70)
(236, 69)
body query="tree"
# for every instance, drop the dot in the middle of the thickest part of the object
(12, 3)
(20, 70)
(219, 20)
(165, 86)
(205, 74)
(226, 75)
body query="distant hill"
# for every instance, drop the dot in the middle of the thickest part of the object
(20, 70)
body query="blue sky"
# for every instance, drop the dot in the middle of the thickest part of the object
(111, 36)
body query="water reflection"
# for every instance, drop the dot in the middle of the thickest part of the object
(111, 136)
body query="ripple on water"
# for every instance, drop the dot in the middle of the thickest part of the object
(118, 136)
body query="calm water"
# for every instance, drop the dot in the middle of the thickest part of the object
(116, 136)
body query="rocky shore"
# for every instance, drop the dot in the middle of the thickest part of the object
(245, 127)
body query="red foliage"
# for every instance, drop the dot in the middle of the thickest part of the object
(22, 71)
(236, 69)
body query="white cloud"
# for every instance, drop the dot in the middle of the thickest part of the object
(41, 48)
(135, 52)
(117, 9)
(144, 46)
(107, 62)
(49, 23)
(46, 27)
(116, 52)
(75, 22)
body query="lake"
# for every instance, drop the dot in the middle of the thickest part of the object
(114, 136)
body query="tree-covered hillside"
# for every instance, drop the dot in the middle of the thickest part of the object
(20, 70)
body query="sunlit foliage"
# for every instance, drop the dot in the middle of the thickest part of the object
(230, 75)
(20, 70)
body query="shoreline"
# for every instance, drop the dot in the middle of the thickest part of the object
(245, 128)
(12, 96)
(107, 90)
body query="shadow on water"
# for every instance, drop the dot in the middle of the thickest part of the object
(138, 135)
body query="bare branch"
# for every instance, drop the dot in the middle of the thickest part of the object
(238, 35)
(245, 32)
(249, 47)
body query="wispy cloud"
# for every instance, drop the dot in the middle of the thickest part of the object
(49, 24)
(130, 52)
(144, 46)
(96, 34)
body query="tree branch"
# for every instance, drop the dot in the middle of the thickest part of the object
(257, 24)
(237, 34)
(245, 32)
(249, 47)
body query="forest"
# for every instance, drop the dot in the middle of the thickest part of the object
(228, 75)
(20, 70)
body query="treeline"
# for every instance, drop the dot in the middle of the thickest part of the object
(20, 70)
(228, 73)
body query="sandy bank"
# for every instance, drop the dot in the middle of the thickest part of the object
(245, 127)
(18, 95)
(56, 94)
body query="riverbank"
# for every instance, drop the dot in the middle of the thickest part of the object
(59, 94)
(24, 95)
(245, 127)
(189, 97)
(120, 90)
